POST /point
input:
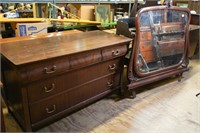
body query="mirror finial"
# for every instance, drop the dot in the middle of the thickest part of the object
(169, 3)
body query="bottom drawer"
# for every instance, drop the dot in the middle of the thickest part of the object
(46, 108)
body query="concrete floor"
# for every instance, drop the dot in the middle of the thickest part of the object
(167, 106)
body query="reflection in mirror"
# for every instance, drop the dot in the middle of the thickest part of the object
(162, 39)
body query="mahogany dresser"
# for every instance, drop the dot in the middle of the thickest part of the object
(45, 78)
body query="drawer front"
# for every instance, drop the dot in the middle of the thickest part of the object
(88, 91)
(84, 59)
(171, 47)
(145, 36)
(44, 88)
(45, 69)
(113, 52)
(71, 79)
(46, 108)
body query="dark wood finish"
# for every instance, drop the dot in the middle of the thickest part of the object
(46, 107)
(195, 19)
(51, 76)
(134, 9)
(156, 50)
(47, 87)
(52, 47)
(113, 52)
(3, 129)
(194, 34)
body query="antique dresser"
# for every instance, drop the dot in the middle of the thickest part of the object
(45, 78)
(160, 48)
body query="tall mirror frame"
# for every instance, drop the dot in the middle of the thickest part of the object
(160, 47)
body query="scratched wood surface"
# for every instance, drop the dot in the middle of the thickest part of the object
(167, 106)
(60, 45)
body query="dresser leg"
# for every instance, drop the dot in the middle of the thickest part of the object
(3, 129)
(9, 111)
(180, 77)
(133, 94)
(121, 92)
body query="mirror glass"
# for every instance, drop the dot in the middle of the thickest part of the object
(161, 39)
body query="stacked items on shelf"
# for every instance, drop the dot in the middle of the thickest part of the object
(16, 10)
(119, 13)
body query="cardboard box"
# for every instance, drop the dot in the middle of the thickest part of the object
(27, 29)
(83, 11)
(2, 27)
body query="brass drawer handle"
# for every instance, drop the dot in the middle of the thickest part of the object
(110, 84)
(112, 67)
(48, 71)
(49, 89)
(115, 52)
(51, 111)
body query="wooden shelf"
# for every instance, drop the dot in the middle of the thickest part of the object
(21, 20)
(70, 1)
(75, 21)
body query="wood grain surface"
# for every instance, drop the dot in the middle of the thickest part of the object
(32, 37)
(44, 48)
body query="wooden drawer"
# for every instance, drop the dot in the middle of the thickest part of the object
(146, 46)
(168, 48)
(169, 27)
(45, 69)
(113, 52)
(46, 108)
(51, 86)
(81, 94)
(145, 36)
(85, 59)
(44, 88)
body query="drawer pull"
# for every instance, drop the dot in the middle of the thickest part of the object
(48, 71)
(110, 84)
(112, 67)
(46, 89)
(51, 111)
(115, 52)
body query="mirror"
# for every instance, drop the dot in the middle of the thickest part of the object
(161, 39)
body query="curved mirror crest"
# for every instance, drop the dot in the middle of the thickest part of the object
(161, 40)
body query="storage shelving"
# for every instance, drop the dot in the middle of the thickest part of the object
(71, 1)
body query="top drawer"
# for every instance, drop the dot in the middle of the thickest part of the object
(47, 68)
(113, 52)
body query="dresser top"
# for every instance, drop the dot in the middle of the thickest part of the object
(32, 49)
